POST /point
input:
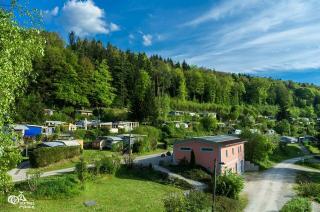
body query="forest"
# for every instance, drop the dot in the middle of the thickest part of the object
(84, 73)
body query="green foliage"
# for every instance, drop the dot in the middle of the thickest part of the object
(258, 147)
(81, 170)
(196, 173)
(57, 188)
(149, 142)
(45, 156)
(283, 127)
(194, 201)
(33, 178)
(230, 185)
(297, 205)
(224, 204)
(110, 165)
(209, 123)
(19, 47)
(309, 190)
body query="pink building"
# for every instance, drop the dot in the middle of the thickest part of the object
(227, 150)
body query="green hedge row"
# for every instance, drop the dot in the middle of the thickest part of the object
(45, 156)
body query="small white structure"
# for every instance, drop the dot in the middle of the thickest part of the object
(20, 128)
(85, 112)
(54, 123)
(127, 126)
(271, 132)
(48, 112)
(72, 127)
(237, 132)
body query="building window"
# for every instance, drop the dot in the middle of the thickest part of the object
(185, 148)
(226, 153)
(240, 148)
(232, 151)
(205, 149)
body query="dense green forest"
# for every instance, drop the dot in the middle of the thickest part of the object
(86, 74)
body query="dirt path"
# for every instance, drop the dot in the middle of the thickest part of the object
(271, 189)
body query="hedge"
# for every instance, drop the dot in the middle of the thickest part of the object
(45, 156)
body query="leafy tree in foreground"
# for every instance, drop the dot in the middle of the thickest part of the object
(18, 48)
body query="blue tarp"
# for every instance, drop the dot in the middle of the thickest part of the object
(33, 131)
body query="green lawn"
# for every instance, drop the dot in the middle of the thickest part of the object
(123, 192)
(312, 149)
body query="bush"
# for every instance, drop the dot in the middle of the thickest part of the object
(225, 204)
(117, 147)
(82, 170)
(45, 156)
(309, 190)
(33, 178)
(57, 188)
(209, 123)
(110, 165)
(297, 205)
(149, 143)
(128, 160)
(230, 185)
(194, 201)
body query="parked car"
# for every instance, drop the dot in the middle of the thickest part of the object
(288, 140)
(104, 142)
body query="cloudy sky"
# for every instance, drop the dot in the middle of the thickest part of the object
(277, 38)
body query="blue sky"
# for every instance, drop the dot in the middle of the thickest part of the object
(277, 38)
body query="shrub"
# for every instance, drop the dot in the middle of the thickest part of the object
(209, 123)
(193, 201)
(57, 188)
(82, 170)
(230, 185)
(117, 147)
(149, 143)
(110, 165)
(33, 178)
(309, 190)
(297, 205)
(224, 204)
(174, 202)
(45, 156)
(128, 160)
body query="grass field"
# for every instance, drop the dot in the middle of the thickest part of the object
(123, 192)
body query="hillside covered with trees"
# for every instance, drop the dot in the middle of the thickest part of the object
(86, 74)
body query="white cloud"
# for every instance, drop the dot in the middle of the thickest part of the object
(114, 27)
(222, 10)
(147, 39)
(264, 36)
(47, 14)
(85, 18)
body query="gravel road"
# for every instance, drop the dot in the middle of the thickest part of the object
(271, 189)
